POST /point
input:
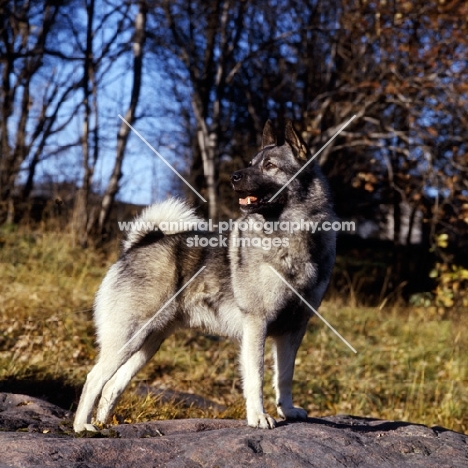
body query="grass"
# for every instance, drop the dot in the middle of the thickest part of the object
(411, 362)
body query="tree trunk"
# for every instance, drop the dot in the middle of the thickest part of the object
(80, 212)
(208, 143)
(122, 137)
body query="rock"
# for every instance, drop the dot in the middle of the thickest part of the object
(336, 441)
(26, 413)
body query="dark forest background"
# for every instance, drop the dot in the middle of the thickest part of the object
(216, 71)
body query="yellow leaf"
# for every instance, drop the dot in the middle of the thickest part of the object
(433, 273)
(447, 301)
(442, 240)
(464, 274)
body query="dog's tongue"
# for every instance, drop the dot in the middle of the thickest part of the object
(247, 200)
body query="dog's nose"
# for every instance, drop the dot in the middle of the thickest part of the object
(236, 177)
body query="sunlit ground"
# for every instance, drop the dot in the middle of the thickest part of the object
(411, 363)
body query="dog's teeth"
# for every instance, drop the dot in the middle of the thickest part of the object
(248, 201)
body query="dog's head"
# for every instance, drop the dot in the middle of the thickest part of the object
(270, 170)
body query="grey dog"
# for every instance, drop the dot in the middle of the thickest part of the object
(244, 286)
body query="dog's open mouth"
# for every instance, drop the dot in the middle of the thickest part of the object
(250, 200)
(254, 203)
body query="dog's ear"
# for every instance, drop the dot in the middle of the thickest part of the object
(269, 134)
(295, 142)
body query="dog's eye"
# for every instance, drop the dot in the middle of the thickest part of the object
(268, 165)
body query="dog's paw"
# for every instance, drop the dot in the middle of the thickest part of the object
(292, 413)
(261, 420)
(85, 427)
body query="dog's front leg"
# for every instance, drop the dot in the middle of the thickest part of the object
(284, 353)
(252, 355)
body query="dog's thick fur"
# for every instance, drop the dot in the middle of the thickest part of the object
(237, 294)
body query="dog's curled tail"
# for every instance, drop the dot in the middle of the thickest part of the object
(168, 217)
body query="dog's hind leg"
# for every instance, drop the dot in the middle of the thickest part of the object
(284, 353)
(104, 369)
(116, 350)
(118, 383)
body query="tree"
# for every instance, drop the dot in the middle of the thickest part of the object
(401, 74)
(26, 120)
(206, 36)
(97, 54)
(122, 138)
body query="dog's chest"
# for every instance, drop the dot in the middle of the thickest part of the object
(290, 318)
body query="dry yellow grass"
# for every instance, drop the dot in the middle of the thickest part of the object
(411, 363)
